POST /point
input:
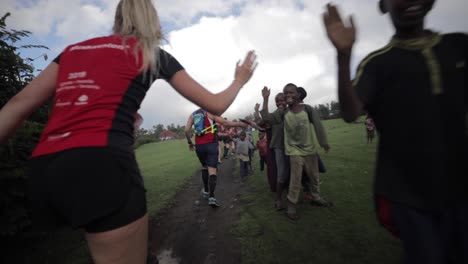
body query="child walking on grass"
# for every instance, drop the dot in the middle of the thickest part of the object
(242, 150)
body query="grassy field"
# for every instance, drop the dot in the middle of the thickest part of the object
(165, 166)
(346, 233)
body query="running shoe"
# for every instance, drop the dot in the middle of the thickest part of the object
(204, 194)
(212, 202)
(321, 202)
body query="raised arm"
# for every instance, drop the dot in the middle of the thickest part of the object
(187, 131)
(35, 94)
(320, 131)
(275, 118)
(251, 146)
(343, 37)
(269, 118)
(266, 97)
(257, 112)
(215, 103)
(225, 122)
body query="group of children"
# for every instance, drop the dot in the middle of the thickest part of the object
(421, 192)
(291, 149)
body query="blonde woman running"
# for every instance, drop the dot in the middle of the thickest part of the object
(84, 172)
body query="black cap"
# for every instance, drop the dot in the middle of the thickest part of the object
(302, 93)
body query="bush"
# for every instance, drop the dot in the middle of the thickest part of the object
(13, 158)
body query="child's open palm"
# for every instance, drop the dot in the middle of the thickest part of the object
(342, 36)
(265, 92)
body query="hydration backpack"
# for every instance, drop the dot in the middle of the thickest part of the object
(199, 123)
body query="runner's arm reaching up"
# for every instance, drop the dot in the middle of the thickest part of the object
(188, 134)
(219, 102)
(225, 122)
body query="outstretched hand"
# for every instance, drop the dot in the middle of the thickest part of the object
(257, 107)
(265, 92)
(246, 69)
(342, 36)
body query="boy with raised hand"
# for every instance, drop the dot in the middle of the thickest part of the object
(421, 192)
(277, 146)
(299, 122)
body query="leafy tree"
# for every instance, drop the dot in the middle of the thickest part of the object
(335, 109)
(15, 73)
(324, 111)
(158, 129)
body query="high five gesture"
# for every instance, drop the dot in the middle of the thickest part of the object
(342, 36)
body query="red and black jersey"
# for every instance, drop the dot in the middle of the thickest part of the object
(99, 89)
(211, 132)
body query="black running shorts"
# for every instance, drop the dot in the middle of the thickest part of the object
(95, 188)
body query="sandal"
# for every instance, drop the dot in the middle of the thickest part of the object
(279, 206)
(291, 212)
(321, 202)
(292, 216)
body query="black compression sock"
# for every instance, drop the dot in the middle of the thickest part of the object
(212, 184)
(204, 174)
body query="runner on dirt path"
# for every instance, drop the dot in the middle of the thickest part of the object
(206, 147)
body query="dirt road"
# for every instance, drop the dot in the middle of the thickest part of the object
(191, 232)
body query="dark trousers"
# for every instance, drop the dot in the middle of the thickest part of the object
(431, 236)
(225, 153)
(262, 162)
(244, 168)
(250, 159)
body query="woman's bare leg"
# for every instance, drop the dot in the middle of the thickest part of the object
(125, 245)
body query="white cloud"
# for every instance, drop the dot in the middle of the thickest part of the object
(85, 22)
(182, 12)
(290, 42)
(70, 20)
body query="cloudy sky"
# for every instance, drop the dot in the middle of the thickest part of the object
(209, 36)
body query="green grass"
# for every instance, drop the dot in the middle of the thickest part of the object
(347, 233)
(165, 166)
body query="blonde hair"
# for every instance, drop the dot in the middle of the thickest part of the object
(139, 19)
